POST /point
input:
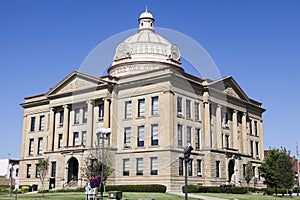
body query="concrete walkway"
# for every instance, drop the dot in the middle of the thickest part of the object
(197, 196)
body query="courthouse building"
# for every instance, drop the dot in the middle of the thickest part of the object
(154, 109)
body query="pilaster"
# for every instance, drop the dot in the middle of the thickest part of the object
(234, 130)
(218, 127)
(89, 134)
(66, 126)
(244, 134)
(51, 129)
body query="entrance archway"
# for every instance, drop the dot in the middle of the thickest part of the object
(230, 169)
(72, 169)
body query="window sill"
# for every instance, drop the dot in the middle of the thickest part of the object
(152, 116)
(127, 119)
(142, 117)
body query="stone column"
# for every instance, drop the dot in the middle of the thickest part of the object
(89, 125)
(206, 133)
(236, 171)
(234, 130)
(244, 134)
(261, 140)
(51, 129)
(106, 120)
(218, 124)
(24, 150)
(66, 126)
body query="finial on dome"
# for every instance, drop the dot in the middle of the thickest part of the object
(146, 21)
(146, 9)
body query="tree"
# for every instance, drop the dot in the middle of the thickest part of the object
(277, 169)
(248, 174)
(42, 169)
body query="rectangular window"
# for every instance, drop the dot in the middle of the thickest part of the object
(127, 137)
(250, 126)
(154, 134)
(75, 138)
(179, 134)
(253, 168)
(199, 168)
(179, 106)
(32, 124)
(180, 166)
(76, 116)
(83, 138)
(227, 141)
(40, 146)
(190, 167)
(154, 167)
(84, 114)
(59, 141)
(244, 170)
(42, 123)
(126, 167)
(257, 150)
(128, 109)
(188, 109)
(31, 146)
(141, 108)
(154, 106)
(101, 112)
(188, 135)
(17, 172)
(139, 166)
(217, 169)
(197, 139)
(61, 118)
(197, 116)
(251, 148)
(37, 171)
(255, 128)
(53, 169)
(141, 132)
(28, 172)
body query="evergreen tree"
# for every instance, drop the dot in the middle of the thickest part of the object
(248, 174)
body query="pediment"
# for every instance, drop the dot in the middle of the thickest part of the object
(75, 81)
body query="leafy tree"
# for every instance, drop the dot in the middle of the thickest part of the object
(248, 174)
(277, 169)
(42, 168)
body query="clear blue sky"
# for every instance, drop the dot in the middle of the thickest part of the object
(256, 42)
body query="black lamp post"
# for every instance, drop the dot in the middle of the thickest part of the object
(187, 153)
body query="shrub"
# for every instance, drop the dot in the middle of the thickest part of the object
(213, 189)
(239, 190)
(137, 188)
(26, 188)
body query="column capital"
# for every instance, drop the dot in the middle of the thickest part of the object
(52, 109)
(245, 114)
(91, 101)
(67, 106)
(235, 111)
(219, 106)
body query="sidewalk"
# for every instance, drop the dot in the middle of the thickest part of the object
(197, 196)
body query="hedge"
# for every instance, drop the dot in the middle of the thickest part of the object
(137, 188)
(216, 189)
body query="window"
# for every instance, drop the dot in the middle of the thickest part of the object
(75, 139)
(190, 167)
(250, 126)
(31, 146)
(251, 148)
(199, 168)
(59, 141)
(227, 141)
(84, 115)
(42, 123)
(253, 168)
(32, 124)
(188, 109)
(126, 167)
(180, 166)
(255, 128)
(244, 170)
(153, 162)
(83, 138)
(257, 150)
(17, 172)
(154, 134)
(76, 116)
(179, 134)
(188, 134)
(37, 171)
(139, 166)
(179, 106)
(197, 116)
(154, 106)
(128, 109)
(101, 112)
(53, 169)
(140, 142)
(40, 146)
(197, 138)
(28, 172)
(61, 118)
(141, 108)
(217, 169)
(127, 136)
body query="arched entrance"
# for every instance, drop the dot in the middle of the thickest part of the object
(72, 169)
(230, 170)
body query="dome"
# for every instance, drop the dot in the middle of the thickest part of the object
(144, 51)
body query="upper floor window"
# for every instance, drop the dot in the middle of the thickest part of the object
(32, 124)
(250, 126)
(197, 138)
(40, 146)
(226, 141)
(126, 167)
(75, 138)
(179, 134)
(190, 167)
(154, 106)
(141, 132)
(199, 168)
(37, 171)
(141, 108)
(153, 167)
(127, 137)
(251, 148)
(180, 166)
(61, 118)
(197, 113)
(31, 146)
(255, 128)
(28, 172)
(77, 116)
(83, 136)
(53, 169)
(154, 134)
(139, 166)
(188, 134)
(257, 149)
(85, 114)
(42, 122)
(179, 105)
(59, 141)
(188, 109)
(101, 112)
(128, 109)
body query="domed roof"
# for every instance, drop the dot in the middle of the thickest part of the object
(144, 51)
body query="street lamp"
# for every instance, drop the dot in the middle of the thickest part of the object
(102, 133)
(187, 153)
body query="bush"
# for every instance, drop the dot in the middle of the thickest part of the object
(137, 188)
(26, 188)
(239, 190)
(216, 189)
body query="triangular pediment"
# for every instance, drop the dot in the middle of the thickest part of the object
(75, 81)
(230, 87)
